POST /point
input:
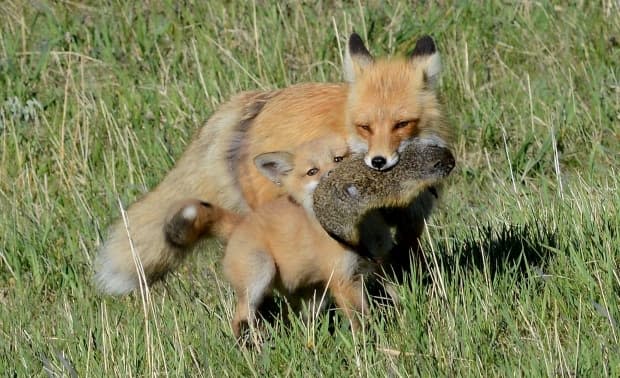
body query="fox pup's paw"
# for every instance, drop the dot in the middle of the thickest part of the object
(249, 335)
(188, 221)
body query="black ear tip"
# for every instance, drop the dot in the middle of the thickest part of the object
(356, 44)
(424, 46)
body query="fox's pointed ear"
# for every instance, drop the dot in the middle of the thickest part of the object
(274, 165)
(426, 56)
(356, 58)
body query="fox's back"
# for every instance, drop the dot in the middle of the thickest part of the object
(294, 116)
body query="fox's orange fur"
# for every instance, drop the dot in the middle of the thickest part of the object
(384, 104)
(281, 245)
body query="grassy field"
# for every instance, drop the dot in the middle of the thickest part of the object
(97, 100)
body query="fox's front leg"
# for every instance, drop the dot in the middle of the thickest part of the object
(351, 299)
(244, 318)
(251, 274)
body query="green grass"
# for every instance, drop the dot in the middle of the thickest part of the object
(98, 100)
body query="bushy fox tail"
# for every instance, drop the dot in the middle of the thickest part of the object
(186, 222)
(138, 242)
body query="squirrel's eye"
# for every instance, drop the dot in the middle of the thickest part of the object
(312, 172)
(364, 127)
(338, 159)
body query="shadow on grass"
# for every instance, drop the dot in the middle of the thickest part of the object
(505, 249)
(492, 251)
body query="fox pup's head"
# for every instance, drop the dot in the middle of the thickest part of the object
(299, 172)
(392, 101)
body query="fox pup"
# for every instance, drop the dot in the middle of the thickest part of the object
(348, 202)
(383, 105)
(280, 245)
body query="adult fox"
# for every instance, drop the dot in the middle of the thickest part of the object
(380, 108)
(282, 244)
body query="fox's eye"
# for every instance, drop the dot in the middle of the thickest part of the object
(364, 127)
(401, 124)
(312, 172)
(338, 159)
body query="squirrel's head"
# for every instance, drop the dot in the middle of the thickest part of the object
(349, 196)
(423, 164)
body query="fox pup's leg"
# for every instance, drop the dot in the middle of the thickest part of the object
(252, 279)
(191, 219)
(351, 298)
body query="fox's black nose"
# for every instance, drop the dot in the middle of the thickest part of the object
(378, 162)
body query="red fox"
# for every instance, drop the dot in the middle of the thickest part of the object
(281, 245)
(381, 107)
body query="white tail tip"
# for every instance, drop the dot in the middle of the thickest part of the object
(190, 213)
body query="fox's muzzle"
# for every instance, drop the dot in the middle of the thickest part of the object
(380, 162)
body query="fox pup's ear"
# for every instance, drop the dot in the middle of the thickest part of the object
(356, 58)
(425, 56)
(274, 165)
